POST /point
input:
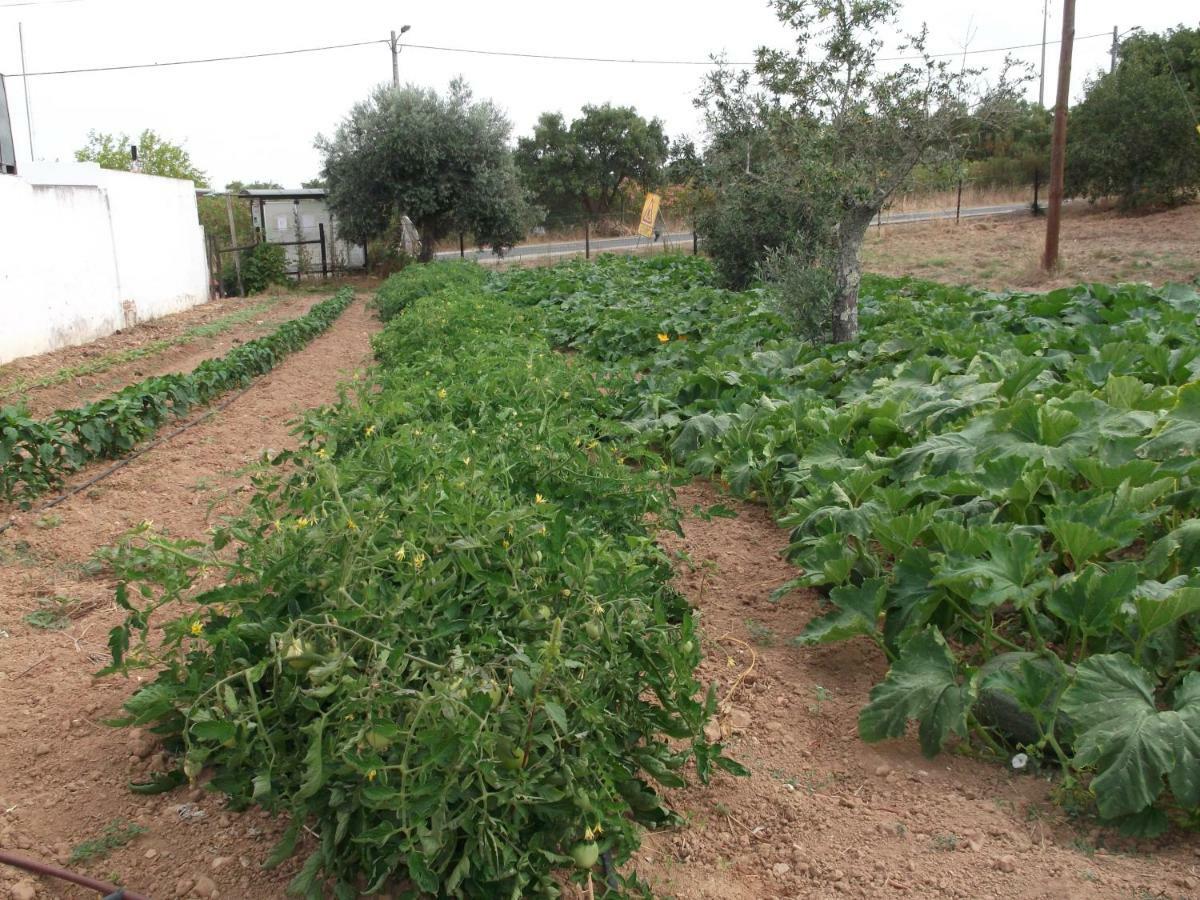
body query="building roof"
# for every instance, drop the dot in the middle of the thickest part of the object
(285, 194)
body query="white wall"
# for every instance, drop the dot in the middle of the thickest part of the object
(85, 251)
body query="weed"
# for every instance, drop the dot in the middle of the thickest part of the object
(760, 634)
(947, 841)
(116, 835)
(821, 695)
(49, 520)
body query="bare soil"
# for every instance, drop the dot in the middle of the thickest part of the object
(63, 772)
(824, 814)
(1097, 244)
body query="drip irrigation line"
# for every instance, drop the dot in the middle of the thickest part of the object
(131, 457)
(109, 891)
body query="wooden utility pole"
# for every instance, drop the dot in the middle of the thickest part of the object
(237, 254)
(1112, 54)
(1058, 147)
(1042, 70)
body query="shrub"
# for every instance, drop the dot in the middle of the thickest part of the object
(263, 265)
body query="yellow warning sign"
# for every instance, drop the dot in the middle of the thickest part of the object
(649, 215)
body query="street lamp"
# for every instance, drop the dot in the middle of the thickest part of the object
(395, 42)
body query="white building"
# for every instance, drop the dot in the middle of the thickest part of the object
(86, 251)
(302, 222)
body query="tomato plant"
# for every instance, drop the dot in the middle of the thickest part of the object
(446, 640)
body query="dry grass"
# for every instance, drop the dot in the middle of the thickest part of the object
(971, 196)
(1097, 245)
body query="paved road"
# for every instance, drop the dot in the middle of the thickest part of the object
(683, 239)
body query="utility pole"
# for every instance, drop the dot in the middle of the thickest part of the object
(1058, 147)
(1042, 73)
(395, 44)
(1112, 62)
(25, 89)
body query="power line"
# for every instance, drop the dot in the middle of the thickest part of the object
(37, 3)
(504, 53)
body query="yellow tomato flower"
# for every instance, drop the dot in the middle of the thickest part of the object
(197, 629)
(505, 544)
(323, 453)
(400, 554)
(442, 395)
(370, 430)
(663, 337)
(371, 775)
(418, 561)
(538, 499)
(350, 524)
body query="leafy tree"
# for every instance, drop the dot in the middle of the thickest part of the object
(157, 156)
(236, 187)
(442, 161)
(684, 164)
(314, 183)
(588, 163)
(835, 134)
(1134, 135)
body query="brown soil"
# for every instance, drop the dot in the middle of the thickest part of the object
(1004, 253)
(181, 357)
(63, 773)
(824, 814)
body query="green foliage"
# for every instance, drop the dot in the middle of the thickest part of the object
(36, 454)
(998, 490)
(587, 164)
(1134, 135)
(263, 265)
(157, 155)
(400, 291)
(804, 158)
(447, 641)
(443, 161)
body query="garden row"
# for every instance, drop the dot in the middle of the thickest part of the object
(36, 454)
(446, 642)
(999, 490)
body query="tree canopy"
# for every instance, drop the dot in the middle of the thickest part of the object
(441, 160)
(1134, 134)
(157, 155)
(584, 165)
(827, 135)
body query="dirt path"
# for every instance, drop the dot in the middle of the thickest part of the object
(824, 814)
(62, 771)
(177, 357)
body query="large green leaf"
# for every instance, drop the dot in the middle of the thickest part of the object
(1161, 605)
(1089, 600)
(923, 684)
(1185, 777)
(858, 608)
(1179, 430)
(1120, 731)
(1013, 571)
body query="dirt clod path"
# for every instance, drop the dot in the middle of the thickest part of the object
(824, 814)
(63, 773)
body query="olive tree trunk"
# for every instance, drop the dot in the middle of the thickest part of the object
(851, 231)
(428, 244)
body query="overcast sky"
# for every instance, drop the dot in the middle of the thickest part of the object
(256, 119)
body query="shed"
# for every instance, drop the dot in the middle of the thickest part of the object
(298, 219)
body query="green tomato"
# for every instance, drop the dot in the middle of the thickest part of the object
(594, 630)
(514, 760)
(585, 854)
(378, 741)
(687, 647)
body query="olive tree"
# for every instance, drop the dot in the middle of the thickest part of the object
(443, 161)
(157, 155)
(831, 132)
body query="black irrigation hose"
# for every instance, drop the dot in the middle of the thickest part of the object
(126, 460)
(109, 891)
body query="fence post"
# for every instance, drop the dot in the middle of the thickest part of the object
(462, 247)
(695, 241)
(324, 263)
(1037, 173)
(587, 239)
(958, 206)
